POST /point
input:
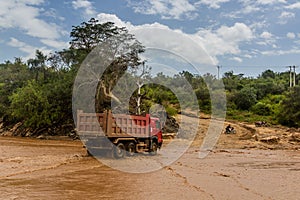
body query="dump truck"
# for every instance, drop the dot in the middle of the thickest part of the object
(120, 134)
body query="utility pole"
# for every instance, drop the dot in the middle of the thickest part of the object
(294, 75)
(218, 71)
(290, 76)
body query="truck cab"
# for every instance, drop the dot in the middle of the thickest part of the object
(156, 130)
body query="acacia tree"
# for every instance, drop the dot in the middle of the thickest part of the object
(105, 42)
(125, 50)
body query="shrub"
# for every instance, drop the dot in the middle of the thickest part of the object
(261, 108)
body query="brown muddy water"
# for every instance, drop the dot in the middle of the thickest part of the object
(58, 169)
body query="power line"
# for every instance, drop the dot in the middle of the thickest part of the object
(256, 66)
(255, 69)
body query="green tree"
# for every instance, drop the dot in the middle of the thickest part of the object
(289, 114)
(38, 66)
(86, 36)
(12, 76)
(30, 106)
(268, 74)
(267, 83)
(113, 43)
(231, 81)
(262, 108)
(245, 98)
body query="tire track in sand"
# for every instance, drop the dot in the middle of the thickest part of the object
(187, 183)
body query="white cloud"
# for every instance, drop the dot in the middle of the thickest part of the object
(31, 2)
(237, 59)
(266, 35)
(258, 25)
(26, 48)
(22, 15)
(267, 39)
(162, 37)
(53, 14)
(15, 43)
(26, 17)
(285, 16)
(81, 4)
(268, 2)
(104, 17)
(55, 44)
(175, 9)
(238, 32)
(293, 6)
(291, 35)
(281, 52)
(248, 7)
(213, 4)
(224, 40)
(248, 56)
(251, 6)
(86, 5)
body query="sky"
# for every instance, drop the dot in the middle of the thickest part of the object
(245, 36)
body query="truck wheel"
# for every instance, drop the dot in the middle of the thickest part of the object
(154, 149)
(130, 149)
(119, 150)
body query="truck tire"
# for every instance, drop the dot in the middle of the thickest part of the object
(130, 149)
(154, 148)
(119, 150)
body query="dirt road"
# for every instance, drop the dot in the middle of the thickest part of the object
(49, 169)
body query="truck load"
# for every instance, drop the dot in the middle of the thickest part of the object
(120, 134)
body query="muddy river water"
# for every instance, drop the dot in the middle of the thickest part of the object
(60, 169)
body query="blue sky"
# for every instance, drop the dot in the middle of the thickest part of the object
(245, 36)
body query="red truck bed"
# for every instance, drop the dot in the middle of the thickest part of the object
(112, 125)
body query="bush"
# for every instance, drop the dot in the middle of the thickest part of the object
(245, 98)
(30, 105)
(171, 111)
(289, 114)
(261, 108)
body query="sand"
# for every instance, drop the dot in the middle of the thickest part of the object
(240, 166)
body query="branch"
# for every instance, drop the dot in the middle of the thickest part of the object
(108, 94)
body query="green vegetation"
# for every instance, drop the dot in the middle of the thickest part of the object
(38, 93)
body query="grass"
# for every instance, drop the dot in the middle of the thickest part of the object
(248, 116)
